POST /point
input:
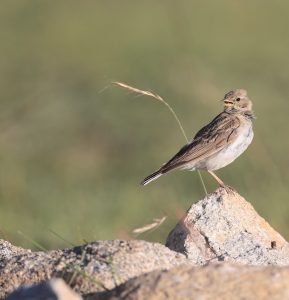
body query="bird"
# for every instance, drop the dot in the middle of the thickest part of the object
(217, 144)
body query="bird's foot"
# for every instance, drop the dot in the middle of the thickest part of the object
(228, 189)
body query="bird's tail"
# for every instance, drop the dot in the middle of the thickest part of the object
(152, 177)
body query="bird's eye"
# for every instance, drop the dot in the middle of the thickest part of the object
(238, 99)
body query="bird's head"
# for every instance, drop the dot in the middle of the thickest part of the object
(237, 100)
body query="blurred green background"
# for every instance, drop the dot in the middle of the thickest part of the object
(73, 149)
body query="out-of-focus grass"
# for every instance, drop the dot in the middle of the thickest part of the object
(72, 154)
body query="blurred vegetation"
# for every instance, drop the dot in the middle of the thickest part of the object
(73, 149)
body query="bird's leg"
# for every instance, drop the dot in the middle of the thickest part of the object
(220, 182)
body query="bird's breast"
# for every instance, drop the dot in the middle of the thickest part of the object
(229, 153)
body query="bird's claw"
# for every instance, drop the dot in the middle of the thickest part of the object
(228, 189)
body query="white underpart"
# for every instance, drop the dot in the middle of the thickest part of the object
(228, 154)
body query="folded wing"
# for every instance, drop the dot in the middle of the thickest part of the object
(211, 139)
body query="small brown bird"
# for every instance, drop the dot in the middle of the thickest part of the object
(217, 144)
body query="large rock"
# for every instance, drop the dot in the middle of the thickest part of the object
(225, 227)
(222, 281)
(89, 268)
(222, 227)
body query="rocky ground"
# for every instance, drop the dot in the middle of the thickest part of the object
(221, 249)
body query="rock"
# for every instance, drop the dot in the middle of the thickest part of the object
(222, 281)
(55, 289)
(216, 233)
(89, 268)
(25, 267)
(225, 227)
(7, 251)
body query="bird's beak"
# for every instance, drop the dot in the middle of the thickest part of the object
(228, 103)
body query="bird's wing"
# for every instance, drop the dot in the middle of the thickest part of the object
(212, 138)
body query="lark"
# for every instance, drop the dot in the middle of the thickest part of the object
(217, 144)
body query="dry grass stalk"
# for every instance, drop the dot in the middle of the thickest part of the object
(138, 91)
(156, 223)
(159, 98)
(154, 96)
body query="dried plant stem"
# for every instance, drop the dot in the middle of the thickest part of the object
(152, 226)
(202, 181)
(160, 99)
(187, 140)
(177, 119)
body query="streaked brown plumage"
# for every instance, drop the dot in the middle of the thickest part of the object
(218, 143)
